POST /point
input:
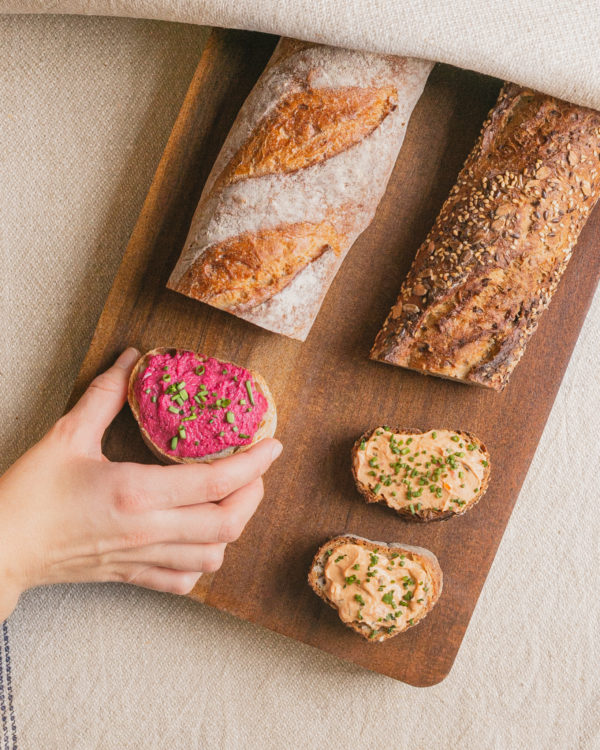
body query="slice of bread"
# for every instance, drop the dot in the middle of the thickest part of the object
(265, 429)
(387, 471)
(416, 555)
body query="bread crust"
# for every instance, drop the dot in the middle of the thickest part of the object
(310, 126)
(425, 557)
(298, 179)
(240, 273)
(422, 515)
(499, 246)
(266, 428)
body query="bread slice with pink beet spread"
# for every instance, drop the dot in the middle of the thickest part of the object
(192, 408)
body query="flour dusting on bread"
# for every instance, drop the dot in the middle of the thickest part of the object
(339, 185)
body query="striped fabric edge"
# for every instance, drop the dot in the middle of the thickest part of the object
(8, 724)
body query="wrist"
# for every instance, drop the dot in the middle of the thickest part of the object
(13, 566)
(10, 588)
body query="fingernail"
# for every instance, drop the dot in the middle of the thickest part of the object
(276, 452)
(127, 358)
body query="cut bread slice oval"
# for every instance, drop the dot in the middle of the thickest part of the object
(379, 589)
(424, 476)
(193, 408)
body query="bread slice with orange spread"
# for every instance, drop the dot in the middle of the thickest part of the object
(424, 476)
(190, 407)
(379, 589)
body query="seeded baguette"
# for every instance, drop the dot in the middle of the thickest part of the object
(498, 248)
(420, 514)
(424, 556)
(266, 428)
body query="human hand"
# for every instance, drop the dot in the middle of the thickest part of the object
(68, 514)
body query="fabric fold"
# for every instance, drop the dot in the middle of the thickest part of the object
(553, 47)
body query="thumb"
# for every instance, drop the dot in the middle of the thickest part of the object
(104, 398)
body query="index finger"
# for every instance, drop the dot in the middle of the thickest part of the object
(189, 484)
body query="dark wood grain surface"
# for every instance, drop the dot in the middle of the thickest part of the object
(327, 390)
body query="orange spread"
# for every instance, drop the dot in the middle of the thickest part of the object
(438, 470)
(386, 590)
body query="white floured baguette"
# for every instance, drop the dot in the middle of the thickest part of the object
(298, 179)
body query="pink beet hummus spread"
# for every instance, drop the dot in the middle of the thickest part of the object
(192, 406)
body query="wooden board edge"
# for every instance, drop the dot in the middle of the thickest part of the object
(96, 355)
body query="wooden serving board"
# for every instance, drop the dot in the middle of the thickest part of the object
(327, 390)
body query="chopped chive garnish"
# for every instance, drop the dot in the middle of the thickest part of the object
(153, 399)
(166, 378)
(434, 435)
(181, 385)
(230, 417)
(173, 443)
(244, 436)
(221, 433)
(182, 433)
(234, 428)
(250, 394)
(200, 370)
(196, 442)
(173, 410)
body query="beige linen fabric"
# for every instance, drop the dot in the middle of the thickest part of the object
(552, 45)
(86, 106)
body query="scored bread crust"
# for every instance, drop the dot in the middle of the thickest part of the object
(298, 178)
(500, 244)
(424, 514)
(425, 557)
(266, 428)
